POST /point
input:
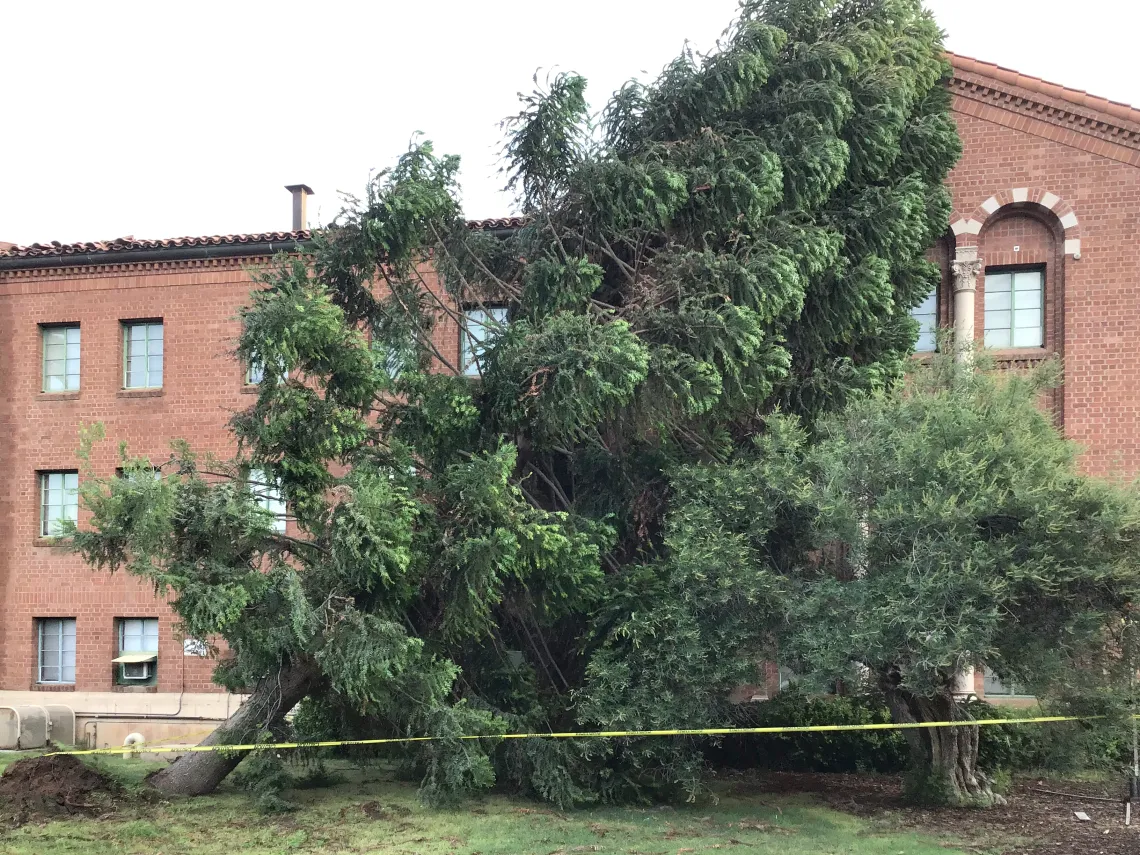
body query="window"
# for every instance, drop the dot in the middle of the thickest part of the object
(1014, 302)
(269, 497)
(256, 373)
(59, 501)
(61, 358)
(138, 635)
(133, 473)
(142, 355)
(393, 359)
(926, 313)
(57, 650)
(138, 650)
(993, 686)
(480, 329)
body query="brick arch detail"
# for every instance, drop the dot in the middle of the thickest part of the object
(967, 229)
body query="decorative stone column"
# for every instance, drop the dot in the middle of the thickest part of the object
(965, 267)
(964, 682)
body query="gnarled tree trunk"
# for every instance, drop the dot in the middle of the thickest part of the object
(944, 759)
(199, 772)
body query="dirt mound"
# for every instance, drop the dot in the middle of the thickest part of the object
(52, 786)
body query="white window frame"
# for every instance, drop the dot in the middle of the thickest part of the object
(153, 358)
(471, 345)
(1001, 327)
(65, 483)
(138, 635)
(255, 373)
(269, 497)
(62, 632)
(926, 313)
(69, 361)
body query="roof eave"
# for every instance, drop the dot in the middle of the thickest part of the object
(168, 253)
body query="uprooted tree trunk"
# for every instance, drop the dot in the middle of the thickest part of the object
(944, 760)
(199, 772)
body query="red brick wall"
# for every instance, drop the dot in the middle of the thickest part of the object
(203, 385)
(1092, 311)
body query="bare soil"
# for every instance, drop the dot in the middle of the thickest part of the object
(46, 787)
(1031, 823)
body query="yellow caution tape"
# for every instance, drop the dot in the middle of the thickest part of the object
(594, 734)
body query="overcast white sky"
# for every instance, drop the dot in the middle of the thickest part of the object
(161, 119)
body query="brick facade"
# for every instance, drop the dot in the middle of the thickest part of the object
(1048, 180)
(203, 383)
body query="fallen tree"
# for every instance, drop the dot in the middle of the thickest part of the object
(525, 547)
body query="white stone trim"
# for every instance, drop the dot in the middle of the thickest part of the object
(973, 227)
(1050, 200)
(990, 205)
(1073, 247)
(1021, 194)
(959, 226)
(1069, 220)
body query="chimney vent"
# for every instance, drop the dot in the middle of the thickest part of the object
(301, 193)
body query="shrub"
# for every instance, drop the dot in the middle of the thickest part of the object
(1055, 747)
(842, 751)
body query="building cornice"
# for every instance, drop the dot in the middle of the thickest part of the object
(1071, 109)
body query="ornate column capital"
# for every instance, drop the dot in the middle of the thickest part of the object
(966, 272)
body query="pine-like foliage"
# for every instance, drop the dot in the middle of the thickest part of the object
(532, 549)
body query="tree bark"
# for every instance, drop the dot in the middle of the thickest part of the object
(944, 759)
(199, 772)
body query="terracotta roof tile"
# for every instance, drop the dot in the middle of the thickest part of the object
(130, 243)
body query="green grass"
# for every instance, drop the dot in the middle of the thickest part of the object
(366, 815)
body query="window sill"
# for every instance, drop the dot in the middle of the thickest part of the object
(53, 687)
(59, 396)
(135, 690)
(1019, 353)
(248, 389)
(58, 542)
(1020, 357)
(140, 393)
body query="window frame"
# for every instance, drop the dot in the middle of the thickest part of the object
(43, 479)
(488, 310)
(144, 623)
(391, 360)
(148, 632)
(933, 296)
(60, 664)
(1039, 270)
(267, 497)
(66, 328)
(257, 365)
(1007, 691)
(147, 323)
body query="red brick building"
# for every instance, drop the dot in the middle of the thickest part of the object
(138, 335)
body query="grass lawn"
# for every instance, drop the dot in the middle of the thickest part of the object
(369, 814)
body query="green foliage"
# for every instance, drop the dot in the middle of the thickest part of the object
(851, 751)
(607, 528)
(961, 532)
(1063, 747)
(265, 776)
